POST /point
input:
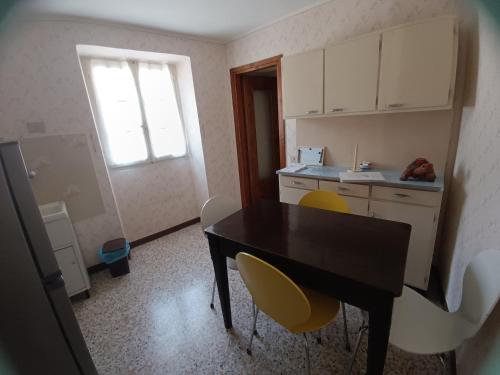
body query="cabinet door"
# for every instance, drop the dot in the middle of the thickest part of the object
(421, 246)
(291, 195)
(70, 269)
(351, 75)
(418, 64)
(357, 206)
(302, 77)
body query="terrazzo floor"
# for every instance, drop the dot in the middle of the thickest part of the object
(157, 320)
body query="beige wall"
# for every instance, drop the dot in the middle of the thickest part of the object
(390, 140)
(473, 221)
(409, 135)
(473, 216)
(42, 81)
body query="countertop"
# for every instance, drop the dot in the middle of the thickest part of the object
(391, 178)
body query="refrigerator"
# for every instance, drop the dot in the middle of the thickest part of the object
(39, 333)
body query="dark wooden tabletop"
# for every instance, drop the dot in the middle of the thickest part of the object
(363, 249)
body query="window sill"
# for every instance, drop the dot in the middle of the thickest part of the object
(146, 162)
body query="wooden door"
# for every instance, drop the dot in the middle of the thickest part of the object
(261, 125)
(418, 63)
(421, 246)
(351, 75)
(303, 84)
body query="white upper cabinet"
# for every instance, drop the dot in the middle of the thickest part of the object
(351, 75)
(418, 64)
(302, 77)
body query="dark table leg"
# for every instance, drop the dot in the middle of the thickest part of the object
(378, 336)
(220, 268)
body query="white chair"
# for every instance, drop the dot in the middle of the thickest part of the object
(420, 327)
(215, 209)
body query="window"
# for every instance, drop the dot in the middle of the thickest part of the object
(139, 118)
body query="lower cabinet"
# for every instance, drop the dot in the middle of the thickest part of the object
(71, 270)
(418, 208)
(357, 206)
(421, 247)
(291, 195)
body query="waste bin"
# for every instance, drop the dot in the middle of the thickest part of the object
(115, 254)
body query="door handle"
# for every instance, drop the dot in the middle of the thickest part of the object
(336, 109)
(312, 111)
(395, 105)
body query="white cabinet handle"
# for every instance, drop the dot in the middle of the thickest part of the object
(395, 105)
(400, 195)
(337, 109)
(312, 111)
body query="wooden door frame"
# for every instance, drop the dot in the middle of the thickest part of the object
(239, 120)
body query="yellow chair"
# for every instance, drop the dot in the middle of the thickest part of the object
(325, 200)
(331, 201)
(298, 309)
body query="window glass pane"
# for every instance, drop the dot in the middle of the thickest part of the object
(162, 113)
(118, 104)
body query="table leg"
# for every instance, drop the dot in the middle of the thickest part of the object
(220, 268)
(378, 337)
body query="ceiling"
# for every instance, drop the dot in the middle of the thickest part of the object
(220, 20)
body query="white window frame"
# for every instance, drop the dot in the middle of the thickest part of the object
(134, 67)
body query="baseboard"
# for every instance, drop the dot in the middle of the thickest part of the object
(154, 236)
(97, 268)
(141, 241)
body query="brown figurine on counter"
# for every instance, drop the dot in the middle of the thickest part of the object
(419, 169)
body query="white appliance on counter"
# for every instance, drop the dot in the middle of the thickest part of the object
(65, 245)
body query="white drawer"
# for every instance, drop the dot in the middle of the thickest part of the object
(299, 182)
(357, 206)
(353, 190)
(425, 198)
(291, 195)
(60, 233)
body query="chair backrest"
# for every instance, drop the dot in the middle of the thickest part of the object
(217, 208)
(481, 288)
(273, 292)
(325, 200)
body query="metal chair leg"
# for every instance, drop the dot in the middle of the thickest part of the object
(213, 294)
(249, 349)
(361, 332)
(308, 360)
(253, 315)
(347, 344)
(442, 359)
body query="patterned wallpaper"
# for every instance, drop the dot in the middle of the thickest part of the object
(42, 81)
(332, 21)
(473, 214)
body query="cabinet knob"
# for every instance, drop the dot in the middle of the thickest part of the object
(312, 111)
(395, 105)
